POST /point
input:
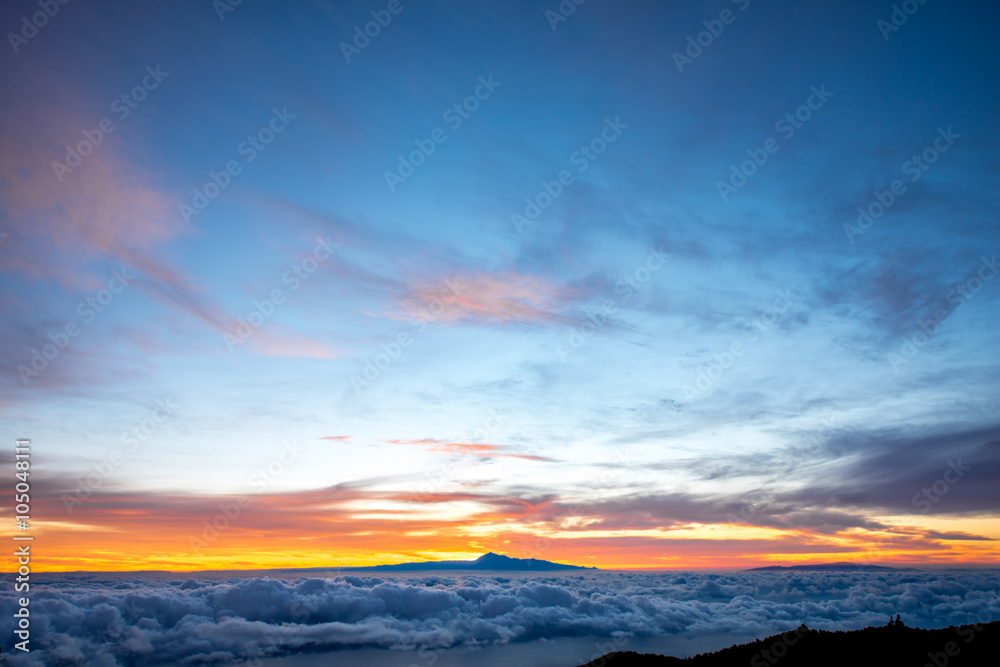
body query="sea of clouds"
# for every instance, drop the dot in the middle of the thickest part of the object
(107, 620)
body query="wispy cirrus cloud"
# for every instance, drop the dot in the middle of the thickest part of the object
(107, 209)
(275, 339)
(361, 522)
(503, 298)
(480, 450)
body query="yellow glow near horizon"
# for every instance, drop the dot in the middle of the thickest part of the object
(464, 529)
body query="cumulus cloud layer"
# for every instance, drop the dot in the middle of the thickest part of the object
(109, 620)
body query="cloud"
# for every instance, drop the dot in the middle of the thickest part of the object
(897, 471)
(880, 471)
(389, 519)
(108, 619)
(483, 451)
(957, 535)
(278, 340)
(105, 208)
(110, 210)
(491, 299)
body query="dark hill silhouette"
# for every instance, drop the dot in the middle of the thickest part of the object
(829, 567)
(891, 645)
(489, 561)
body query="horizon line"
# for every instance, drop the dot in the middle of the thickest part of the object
(748, 567)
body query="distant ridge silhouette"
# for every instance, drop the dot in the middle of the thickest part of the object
(887, 646)
(488, 561)
(830, 567)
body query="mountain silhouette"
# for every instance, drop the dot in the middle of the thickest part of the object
(488, 561)
(829, 567)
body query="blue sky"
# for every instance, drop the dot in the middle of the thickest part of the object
(812, 398)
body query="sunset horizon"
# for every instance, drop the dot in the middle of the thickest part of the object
(729, 552)
(859, 565)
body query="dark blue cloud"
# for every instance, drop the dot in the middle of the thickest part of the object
(114, 620)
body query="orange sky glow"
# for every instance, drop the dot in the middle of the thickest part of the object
(128, 532)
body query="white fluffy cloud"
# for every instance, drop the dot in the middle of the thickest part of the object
(109, 620)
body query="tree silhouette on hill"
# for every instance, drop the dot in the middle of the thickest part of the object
(897, 623)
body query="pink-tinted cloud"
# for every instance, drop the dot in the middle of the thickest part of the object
(497, 299)
(275, 339)
(106, 209)
(482, 451)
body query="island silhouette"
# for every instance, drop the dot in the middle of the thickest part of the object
(488, 561)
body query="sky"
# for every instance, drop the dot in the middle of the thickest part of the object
(644, 285)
